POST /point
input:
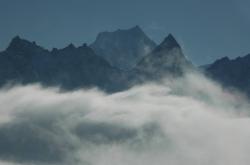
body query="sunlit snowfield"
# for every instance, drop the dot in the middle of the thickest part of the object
(190, 121)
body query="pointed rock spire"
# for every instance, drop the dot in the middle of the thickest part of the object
(14, 42)
(69, 47)
(16, 38)
(17, 43)
(168, 43)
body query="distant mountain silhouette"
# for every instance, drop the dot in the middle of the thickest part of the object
(123, 48)
(232, 73)
(71, 67)
(125, 58)
(24, 62)
(167, 59)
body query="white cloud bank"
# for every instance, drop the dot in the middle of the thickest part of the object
(189, 121)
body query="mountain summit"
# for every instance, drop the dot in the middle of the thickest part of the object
(166, 59)
(123, 48)
(168, 43)
(19, 44)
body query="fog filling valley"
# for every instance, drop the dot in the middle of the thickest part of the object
(189, 120)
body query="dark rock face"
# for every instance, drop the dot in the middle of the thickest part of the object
(70, 68)
(167, 59)
(232, 73)
(123, 48)
(22, 61)
(25, 62)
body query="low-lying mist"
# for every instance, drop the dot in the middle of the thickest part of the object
(189, 120)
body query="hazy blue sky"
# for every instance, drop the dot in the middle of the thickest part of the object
(207, 29)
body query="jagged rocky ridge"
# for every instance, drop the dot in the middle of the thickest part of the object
(70, 68)
(167, 59)
(232, 73)
(24, 62)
